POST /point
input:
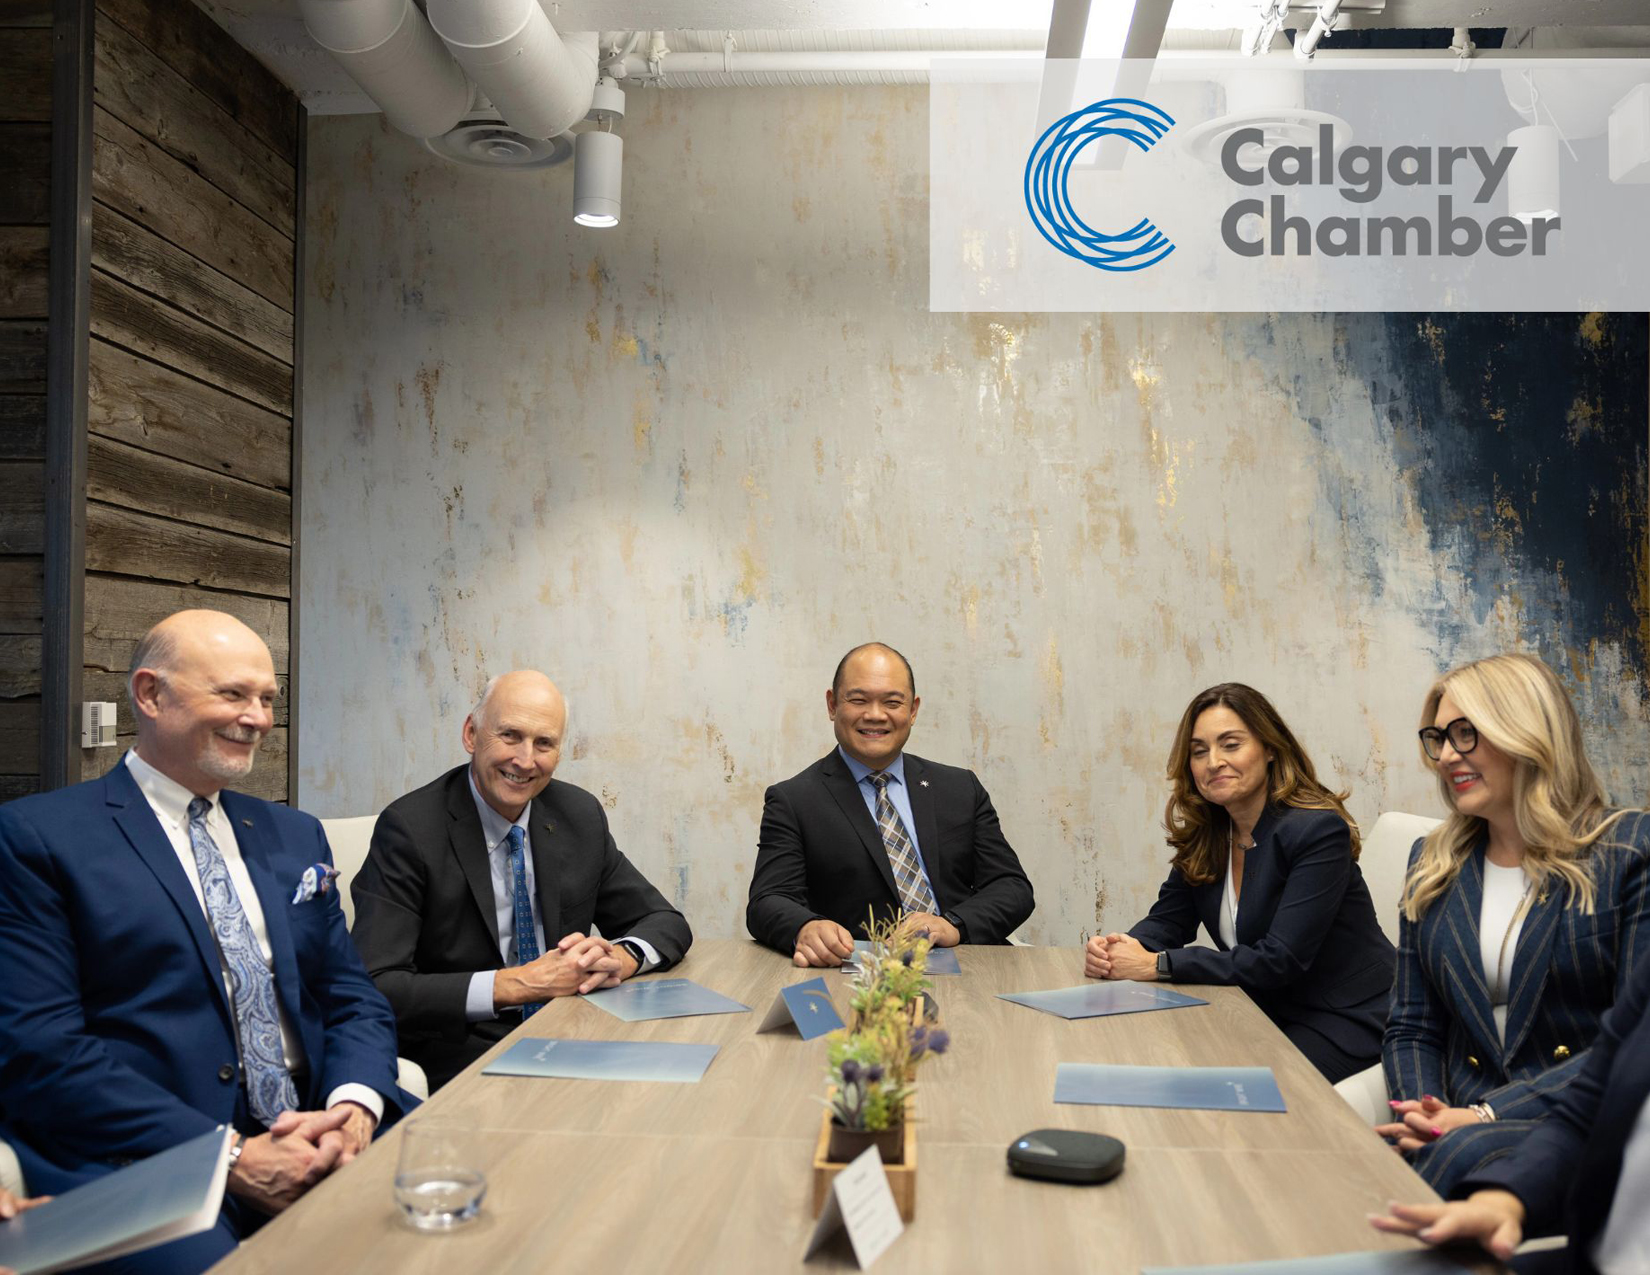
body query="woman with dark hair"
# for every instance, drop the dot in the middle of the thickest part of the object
(1265, 857)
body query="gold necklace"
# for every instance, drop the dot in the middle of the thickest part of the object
(1518, 913)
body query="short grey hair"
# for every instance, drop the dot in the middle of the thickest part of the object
(478, 713)
(157, 650)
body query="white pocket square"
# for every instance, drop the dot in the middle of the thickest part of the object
(317, 879)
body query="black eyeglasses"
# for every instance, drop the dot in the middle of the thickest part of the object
(1462, 735)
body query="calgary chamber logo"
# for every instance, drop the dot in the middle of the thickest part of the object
(1049, 202)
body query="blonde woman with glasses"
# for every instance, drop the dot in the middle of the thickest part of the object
(1524, 914)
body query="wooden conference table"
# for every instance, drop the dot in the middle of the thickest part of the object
(615, 1176)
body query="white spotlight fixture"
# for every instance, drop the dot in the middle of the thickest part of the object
(598, 160)
(1532, 177)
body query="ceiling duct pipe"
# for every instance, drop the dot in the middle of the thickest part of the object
(540, 82)
(392, 52)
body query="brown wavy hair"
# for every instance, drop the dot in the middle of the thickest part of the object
(1197, 829)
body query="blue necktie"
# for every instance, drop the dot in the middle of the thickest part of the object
(269, 1087)
(527, 943)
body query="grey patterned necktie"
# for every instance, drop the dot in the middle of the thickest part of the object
(269, 1087)
(914, 892)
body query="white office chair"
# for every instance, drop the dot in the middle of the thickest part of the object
(1384, 858)
(349, 839)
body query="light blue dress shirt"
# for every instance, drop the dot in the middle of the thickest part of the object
(898, 794)
(495, 831)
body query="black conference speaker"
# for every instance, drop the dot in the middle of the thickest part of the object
(1066, 1155)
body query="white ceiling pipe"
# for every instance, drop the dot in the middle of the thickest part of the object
(539, 81)
(398, 60)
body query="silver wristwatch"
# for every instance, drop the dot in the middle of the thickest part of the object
(1163, 967)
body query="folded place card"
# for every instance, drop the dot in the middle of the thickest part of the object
(941, 960)
(152, 1201)
(640, 999)
(862, 1203)
(604, 1060)
(807, 1006)
(1095, 1000)
(1410, 1262)
(1196, 1088)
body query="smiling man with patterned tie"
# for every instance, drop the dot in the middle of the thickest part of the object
(872, 828)
(165, 968)
(480, 894)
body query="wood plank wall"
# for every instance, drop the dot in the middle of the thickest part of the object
(25, 216)
(190, 395)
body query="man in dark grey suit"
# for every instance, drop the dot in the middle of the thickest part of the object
(871, 827)
(480, 892)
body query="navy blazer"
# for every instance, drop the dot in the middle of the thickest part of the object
(1309, 949)
(1568, 968)
(1567, 1169)
(426, 919)
(119, 1040)
(819, 854)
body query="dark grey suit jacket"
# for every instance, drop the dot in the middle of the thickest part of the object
(819, 854)
(425, 918)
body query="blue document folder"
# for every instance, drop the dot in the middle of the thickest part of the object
(604, 1060)
(805, 1005)
(149, 1202)
(1199, 1088)
(941, 960)
(1095, 1000)
(643, 998)
(1411, 1262)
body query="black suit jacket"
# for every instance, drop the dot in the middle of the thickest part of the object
(1309, 949)
(425, 917)
(1566, 1170)
(819, 854)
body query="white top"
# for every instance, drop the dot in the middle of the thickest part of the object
(1624, 1247)
(170, 802)
(1499, 921)
(1229, 905)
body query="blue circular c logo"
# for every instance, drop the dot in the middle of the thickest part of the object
(1049, 204)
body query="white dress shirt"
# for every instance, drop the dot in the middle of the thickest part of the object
(495, 831)
(1229, 903)
(1624, 1247)
(170, 802)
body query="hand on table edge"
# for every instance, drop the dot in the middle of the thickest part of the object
(1494, 1219)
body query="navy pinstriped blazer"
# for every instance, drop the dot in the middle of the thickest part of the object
(1567, 970)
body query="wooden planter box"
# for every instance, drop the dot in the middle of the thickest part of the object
(902, 1178)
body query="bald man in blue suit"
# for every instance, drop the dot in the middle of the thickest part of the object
(176, 958)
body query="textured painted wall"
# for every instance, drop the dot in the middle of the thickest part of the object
(683, 464)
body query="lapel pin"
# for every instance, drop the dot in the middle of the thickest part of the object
(923, 783)
(247, 822)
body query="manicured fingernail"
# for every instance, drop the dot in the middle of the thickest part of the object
(1393, 1103)
(1437, 1132)
(1426, 1097)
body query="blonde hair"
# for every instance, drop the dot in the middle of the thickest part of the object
(1196, 827)
(1517, 704)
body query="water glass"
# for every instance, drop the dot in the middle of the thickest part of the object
(438, 1180)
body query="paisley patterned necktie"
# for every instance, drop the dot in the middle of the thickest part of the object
(269, 1087)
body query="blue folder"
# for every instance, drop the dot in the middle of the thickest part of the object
(1095, 1000)
(641, 999)
(805, 1005)
(941, 960)
(151, 1201)
(1197, 1088)
(1401, 1262)
(604, 1060)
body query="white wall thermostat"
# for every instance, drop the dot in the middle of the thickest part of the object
(97, 724)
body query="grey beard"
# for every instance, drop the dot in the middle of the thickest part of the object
(225, 769)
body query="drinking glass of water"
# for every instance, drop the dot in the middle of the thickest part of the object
(438, 1180)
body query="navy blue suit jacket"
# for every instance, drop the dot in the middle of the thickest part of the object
(1309, 949)
(118, 1036)
(1568, 969)
(1566, 1171)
